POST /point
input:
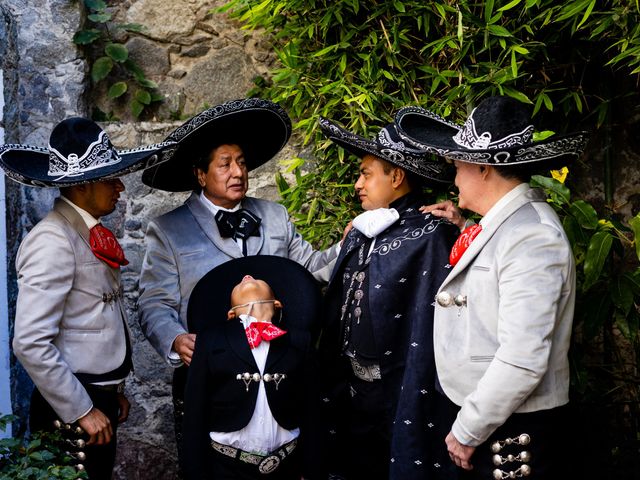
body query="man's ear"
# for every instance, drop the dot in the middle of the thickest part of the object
(397, 177)
(200, 176)
(231, 314)
(277, 304)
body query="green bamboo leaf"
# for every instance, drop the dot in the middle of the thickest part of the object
(634, 223)
(488, 10)
(498, 31)
(116, 90)
(514, 64)
(517, 95)
(597, 253)
(509, 5)
(585, 214)
(117, 52)
(459, 29)
(85, 37)
(101, 68)
(131, 27)
(587, 13)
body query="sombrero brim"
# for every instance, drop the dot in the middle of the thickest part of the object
(29, 165)
(291, 283)
(426, 130)
(415, 160)
(260, 127)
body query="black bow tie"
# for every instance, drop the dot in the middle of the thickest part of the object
(239, 224)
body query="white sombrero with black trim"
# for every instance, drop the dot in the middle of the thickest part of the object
(260, 127)
(79, 152)
(388, 146)
(498, 132)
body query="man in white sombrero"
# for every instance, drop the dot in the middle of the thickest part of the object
(504, 313)
(216, 150)
(71, 333)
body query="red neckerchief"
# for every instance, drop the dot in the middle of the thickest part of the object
(463, 242)
(105, 246)
(258, 331)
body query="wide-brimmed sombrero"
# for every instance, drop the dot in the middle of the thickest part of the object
(291, 283)
(388, 146)
(79, 151)
(498, 132)
(260, 127)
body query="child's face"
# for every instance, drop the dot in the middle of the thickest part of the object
(253, 290)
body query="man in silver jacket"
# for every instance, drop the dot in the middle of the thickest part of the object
(504, 313)
(71, 333)
(217, 223)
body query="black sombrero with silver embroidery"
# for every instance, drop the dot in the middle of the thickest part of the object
(260, 127)
(498, 132)
(389, 147)
(79, 152)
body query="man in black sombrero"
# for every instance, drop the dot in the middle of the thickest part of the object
(250, 398)
(376, 347)
(71, 332)
(504, 313)
(216, 150)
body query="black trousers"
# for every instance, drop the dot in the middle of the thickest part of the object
(178, 386)
(364, 446)
(549, 447)
(99, 458)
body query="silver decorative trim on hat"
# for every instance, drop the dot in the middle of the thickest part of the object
(468, 137)
(99, 154)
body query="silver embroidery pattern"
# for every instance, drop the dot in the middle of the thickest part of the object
(99, 154)
(468, 137)
(385, 247)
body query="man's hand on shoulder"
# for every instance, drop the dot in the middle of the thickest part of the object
(346, 231)
(97, 426)
(183, 345)
(446, 210)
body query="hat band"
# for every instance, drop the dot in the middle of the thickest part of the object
(99, 154)
(469, 138)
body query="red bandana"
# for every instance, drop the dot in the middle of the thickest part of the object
(258, 331)
(105, 246)
(463, 242)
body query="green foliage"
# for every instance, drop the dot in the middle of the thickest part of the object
(38, 459)
(111, 62)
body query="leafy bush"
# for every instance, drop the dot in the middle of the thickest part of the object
(40, 458)
(110, 61)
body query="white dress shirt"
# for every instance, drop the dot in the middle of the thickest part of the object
(262, 435)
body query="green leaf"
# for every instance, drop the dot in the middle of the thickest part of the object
(116, 90)
(85, 37)
(585, 214)
(117, 52)
(99, 17)
(498, 31)
(95, 5)
(509, 5)
(552, 187)
(597, 253)
(101, 68)
(634, 223)
(542, 135)
(136, 108)
(622, 293)
(488, 10)
(622, 324)
(143, 97)
(131, 27)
